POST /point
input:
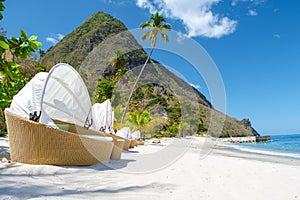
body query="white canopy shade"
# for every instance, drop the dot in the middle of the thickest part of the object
(136, 135)
(28, 98)
(60, 94)
(124, 133)
(65, 96)
(103, 117)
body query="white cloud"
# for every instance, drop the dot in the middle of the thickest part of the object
(255, 2)
(60, 36)
(258, 2)
(235, 2)
(118, 3)
(108, 1)
(195, 86)
(51, 40)
(252, 13)
(181, 37)
(146, 5)
(55, 38)
(277, 36)
(196, 16)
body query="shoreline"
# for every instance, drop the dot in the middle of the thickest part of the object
(219, 174)
(259, 149)
(232, 152)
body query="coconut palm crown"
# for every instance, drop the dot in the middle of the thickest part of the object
(158, 26)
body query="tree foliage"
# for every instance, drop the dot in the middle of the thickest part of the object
(11, 78)
(140, 118)
(106, 84)
(157, 26)
(104, 89)
(2, 7)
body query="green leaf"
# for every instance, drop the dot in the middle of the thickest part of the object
(3, 104)
(2, 7)
(35, 44)
(4, 45)
(33, 37)
(24, 45)
(23, 35)
(14, 65)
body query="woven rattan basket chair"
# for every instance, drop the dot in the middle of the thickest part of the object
(126, 142)
(140, 142)
(34, 143)
(119, 143)
(133, 143)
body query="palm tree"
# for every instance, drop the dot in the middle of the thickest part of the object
(157, 26)
(140, 118)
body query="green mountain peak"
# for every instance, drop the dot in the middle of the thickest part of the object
(91, 48)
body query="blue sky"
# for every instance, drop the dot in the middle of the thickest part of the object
(254, 43)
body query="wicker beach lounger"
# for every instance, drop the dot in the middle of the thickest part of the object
(140, 142)
(133, 143)
(126, 142)
(34, 143)
(119, 143)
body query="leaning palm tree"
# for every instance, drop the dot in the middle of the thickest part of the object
(157, 26)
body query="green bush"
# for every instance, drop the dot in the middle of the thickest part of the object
(172, 129)
(12, 80)
(104, 90)
(157, 135)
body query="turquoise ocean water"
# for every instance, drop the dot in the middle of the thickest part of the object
(280, 145)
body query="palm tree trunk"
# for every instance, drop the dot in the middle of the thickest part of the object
(135, 84)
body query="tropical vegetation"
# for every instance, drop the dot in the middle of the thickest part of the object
(140, 119)
(12, 80)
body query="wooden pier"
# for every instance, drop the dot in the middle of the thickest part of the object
(245, 139)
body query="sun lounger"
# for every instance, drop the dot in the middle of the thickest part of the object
(34, 143)
(119, 143)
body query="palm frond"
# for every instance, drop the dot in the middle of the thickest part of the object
(158, 27)
(157, 19)
(166, 27)
(147, 25)
(147, 35)
(164, 36)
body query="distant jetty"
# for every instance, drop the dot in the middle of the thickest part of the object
(245, 139)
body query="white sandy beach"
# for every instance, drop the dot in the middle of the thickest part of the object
(220, 174)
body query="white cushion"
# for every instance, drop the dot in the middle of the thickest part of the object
(99, 137)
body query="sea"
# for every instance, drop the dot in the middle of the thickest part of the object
(287, 146)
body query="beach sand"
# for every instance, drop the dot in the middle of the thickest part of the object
(198, 173)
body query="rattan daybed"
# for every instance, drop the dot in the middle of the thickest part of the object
(59, 96)
(119, 143)
(34, 143)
